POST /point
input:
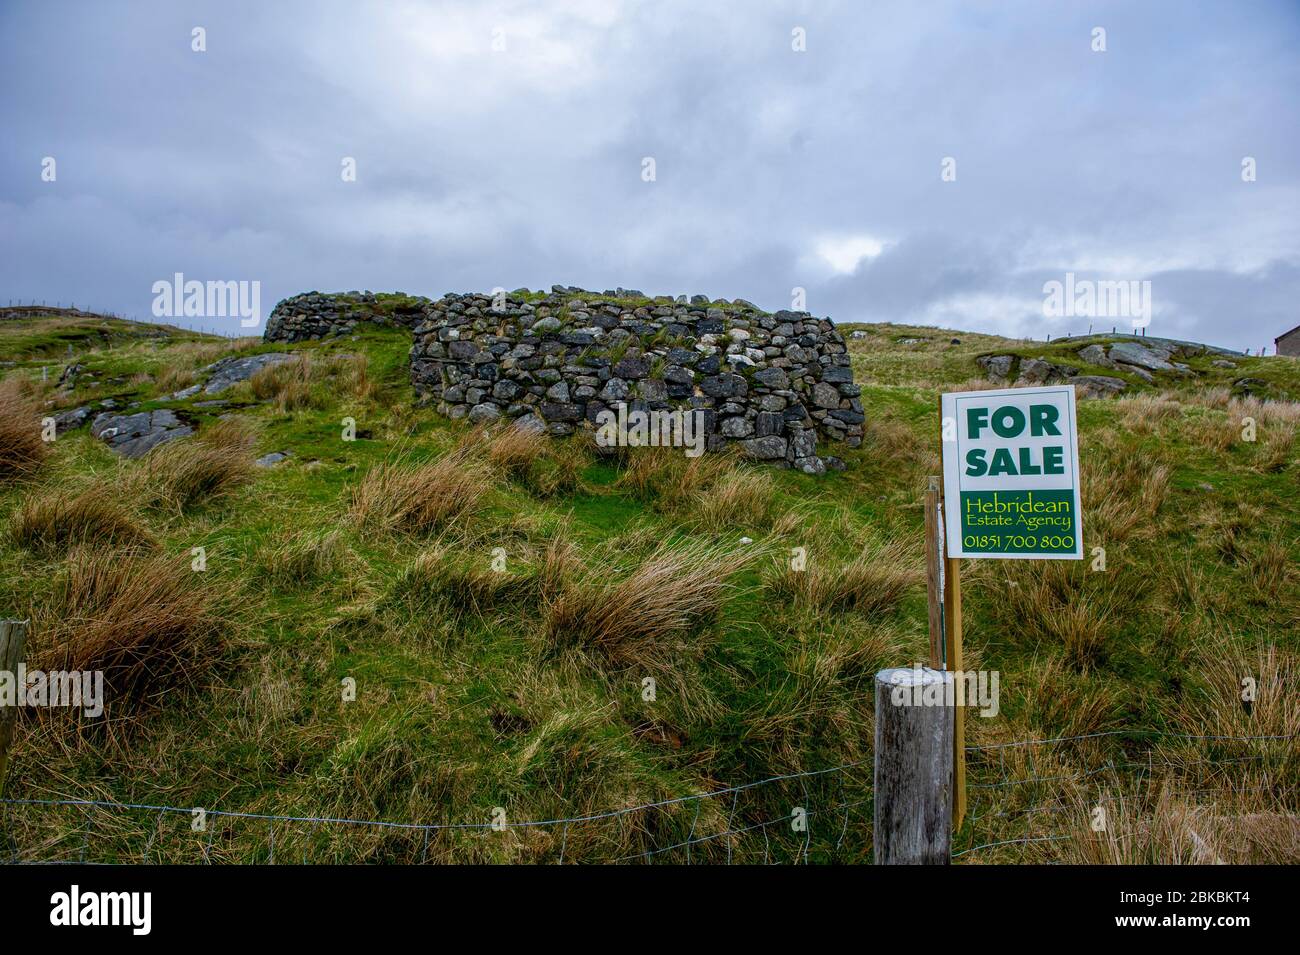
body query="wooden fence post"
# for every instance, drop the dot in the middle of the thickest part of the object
(13, 642)
(913, 767)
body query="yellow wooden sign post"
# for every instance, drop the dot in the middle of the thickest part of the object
(943, 576)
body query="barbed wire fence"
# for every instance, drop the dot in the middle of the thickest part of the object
(1035, 793)
(1024, 796)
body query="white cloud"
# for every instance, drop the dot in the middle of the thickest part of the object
(844, 253)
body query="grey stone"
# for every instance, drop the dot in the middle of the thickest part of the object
(272, 459)
(1095, 355)
(769, 448)
(724, 386)
(773, 378)
(825, 396)
(1131, 353)
(654, 389)
(736, 427)
(67, 420)
(484, 413)
(631, 368)
(553, 411)
(997, 367)
(1097, 386)
(531, 424)
(230, 371)
(134, 435)
(615, 389)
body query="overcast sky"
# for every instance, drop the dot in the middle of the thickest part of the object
(774, 168)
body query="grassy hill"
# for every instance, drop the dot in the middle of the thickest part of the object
(500, 603)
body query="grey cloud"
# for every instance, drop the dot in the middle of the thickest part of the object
(479, 169)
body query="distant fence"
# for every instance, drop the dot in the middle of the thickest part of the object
(1019, 796)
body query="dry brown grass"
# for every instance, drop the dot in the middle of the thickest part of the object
(173, 378)
(304, 557)
(54, 522)
(1276, 451)
(148, 622)
(288, 384)
(1052, 603)
(308, 381)
(1215, 706)
(514, 451)
(1272, 571)
(1124, 487)
(1164, 826)
(895, 442)
(668, 479)
(545, 465)
(22, 451)
(1147, 413)
(420, 498)
(183, 473)
(741, 497)
(648, 613)
(873, 582)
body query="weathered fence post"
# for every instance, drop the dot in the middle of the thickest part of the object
(913, 766)
(13, 641)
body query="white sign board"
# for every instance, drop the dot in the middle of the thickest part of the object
(1011, 474)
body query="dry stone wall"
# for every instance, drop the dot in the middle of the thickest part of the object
(772, 383)
(312, 316)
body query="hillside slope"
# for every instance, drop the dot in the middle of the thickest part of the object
(498, 603)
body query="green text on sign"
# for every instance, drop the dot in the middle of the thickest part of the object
(1019, 522)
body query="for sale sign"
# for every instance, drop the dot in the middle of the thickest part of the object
(1011, 474)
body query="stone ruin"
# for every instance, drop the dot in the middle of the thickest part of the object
(771, 383)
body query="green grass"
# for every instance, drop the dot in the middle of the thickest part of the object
(458, 712)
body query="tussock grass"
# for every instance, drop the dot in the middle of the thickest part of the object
(420, 498)
(515, 451)
(1214, 705)
(459, 581)
(288, 384)
(148, 622)
(872, 582)
(741, 497)
(648, 612)
(313, 382)
(538, 462)
(1148, 413)
(304, 558)
(668, 479)
(1277, 450)
(173, 378)
(181, 474)
(895, 443)
(1064, 604)
(22, 451)
(54, 523)
(1124, 487)
(458, 584)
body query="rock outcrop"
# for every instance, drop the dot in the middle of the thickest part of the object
(1002, 369)
(133, 435)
